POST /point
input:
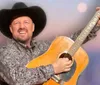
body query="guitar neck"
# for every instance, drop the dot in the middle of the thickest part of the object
(80, 39)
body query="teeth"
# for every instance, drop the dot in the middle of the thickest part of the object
(22, 32)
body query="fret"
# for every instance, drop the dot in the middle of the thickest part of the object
(80, 39)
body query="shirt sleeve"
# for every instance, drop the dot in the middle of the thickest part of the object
(91, 35)
(15, 73)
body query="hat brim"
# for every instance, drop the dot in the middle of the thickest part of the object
(37, 15)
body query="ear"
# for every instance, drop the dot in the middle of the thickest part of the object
(33, 27)
(10, 29)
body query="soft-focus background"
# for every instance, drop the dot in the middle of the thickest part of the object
(65, 17)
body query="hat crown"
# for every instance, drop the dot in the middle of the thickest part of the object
(19, 5)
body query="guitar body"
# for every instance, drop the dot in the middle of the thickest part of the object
(59, 45)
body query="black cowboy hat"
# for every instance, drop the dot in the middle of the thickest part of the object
(20, 9)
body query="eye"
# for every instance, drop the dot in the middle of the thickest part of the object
(27, 22)
(15, 23)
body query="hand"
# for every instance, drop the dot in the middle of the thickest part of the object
(62, 65)
(97, 9)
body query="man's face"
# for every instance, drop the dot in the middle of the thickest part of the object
(22, 28)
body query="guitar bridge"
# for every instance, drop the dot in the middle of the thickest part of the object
(58, 79)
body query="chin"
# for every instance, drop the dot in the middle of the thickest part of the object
(23, 40)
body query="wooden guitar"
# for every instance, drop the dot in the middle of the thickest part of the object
(65, 47)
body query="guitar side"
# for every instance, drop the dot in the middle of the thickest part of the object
(58, 46)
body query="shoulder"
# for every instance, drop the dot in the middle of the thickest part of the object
(7, 50)
(42, 45)
(7, 47)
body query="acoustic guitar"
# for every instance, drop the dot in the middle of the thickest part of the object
(65, 47)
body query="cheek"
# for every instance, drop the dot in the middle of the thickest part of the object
(31, 30)
(15, 31)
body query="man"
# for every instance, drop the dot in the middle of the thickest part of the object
(22, 24)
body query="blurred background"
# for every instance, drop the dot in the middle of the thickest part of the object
(65, 17)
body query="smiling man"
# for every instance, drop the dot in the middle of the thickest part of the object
(21, 24)
(22, 29)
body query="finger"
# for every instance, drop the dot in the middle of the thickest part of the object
(67, 69)
(69, 65)
(68, 62)
(97, 8)
(98, 24)
(66, 59)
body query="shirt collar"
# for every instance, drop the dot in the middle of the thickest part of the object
(33, 43)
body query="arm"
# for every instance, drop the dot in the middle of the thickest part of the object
(14, 71)
(89, 37)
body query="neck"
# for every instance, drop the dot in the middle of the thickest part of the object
(25, 43)
(28, 43)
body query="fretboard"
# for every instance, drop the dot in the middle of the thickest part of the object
(80, 39)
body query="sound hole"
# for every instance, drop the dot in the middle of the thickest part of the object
(65, 76)
(66, 55)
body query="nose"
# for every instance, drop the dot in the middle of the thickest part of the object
(22, 25)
